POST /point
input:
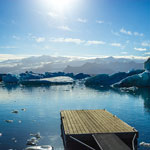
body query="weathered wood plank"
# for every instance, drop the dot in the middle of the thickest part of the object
(93, 121)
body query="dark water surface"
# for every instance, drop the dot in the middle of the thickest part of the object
(43, 106)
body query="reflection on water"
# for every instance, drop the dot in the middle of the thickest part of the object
(43, 106)
(144, 93)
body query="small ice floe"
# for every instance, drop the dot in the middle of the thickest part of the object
(9, 121)
(37, 135)
(14, 140)
(1, 134)
(43, 147)
(15, 111)
(23, 109)
(145, 144)
(19, 121)
(33, 141)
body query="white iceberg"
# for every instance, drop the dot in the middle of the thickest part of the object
(49, 81)
(43, 147)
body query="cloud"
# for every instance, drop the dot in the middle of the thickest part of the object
(100, 21)
(67, 40)
(10, 56)
(76, 41)
(16, 37)
(116, 44)
(148, 53)
(52, 14)
(124, 53)
(39, 39)
(81, 20)
(122, 30)
(138, 34)
(146, 43)
(66, 28)
(115, 33)
(95, 43)
(125, 31)
(140, 49)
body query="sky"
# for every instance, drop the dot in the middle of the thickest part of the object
(82, 28)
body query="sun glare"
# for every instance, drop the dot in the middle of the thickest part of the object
(60, 6)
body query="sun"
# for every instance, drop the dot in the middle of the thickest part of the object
(60, 6)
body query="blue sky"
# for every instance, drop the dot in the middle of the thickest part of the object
(75, 27)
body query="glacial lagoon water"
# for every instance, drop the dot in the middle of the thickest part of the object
(43, 106)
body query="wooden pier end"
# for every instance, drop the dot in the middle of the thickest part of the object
(96, 130)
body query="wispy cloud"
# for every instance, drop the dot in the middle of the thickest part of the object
(4, 57)
(128, 32)
(95, 42)
(124, 53)
(81, 20)
(115, 33)
(52, 14)
(40, 39)
(100, 21)
(66, 28)
(146, 43)
(148, 53)
(138, 34)
(140, 49)
(67, 40)
(122, 30)
(16, 37)
(116, 44)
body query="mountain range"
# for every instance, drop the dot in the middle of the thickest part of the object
(46, 63)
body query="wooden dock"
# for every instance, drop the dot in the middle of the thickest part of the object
(89, 128)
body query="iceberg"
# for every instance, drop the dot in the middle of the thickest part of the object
(81, 76)
(139, 80)
(108, 80)
(10, 78)
(62, 80)
(30, 75)
(147, 65)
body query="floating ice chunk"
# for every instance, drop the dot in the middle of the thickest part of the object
(37, 135)
(33, 141)
(14, 140)
(15, 111)
(19, 121)
(23, 109)
(145, 144)
(9, 121)
(1, 134)
(43, 147)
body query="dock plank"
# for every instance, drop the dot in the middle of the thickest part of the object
(93, 121)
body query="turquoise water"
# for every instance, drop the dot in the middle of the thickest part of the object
(43, 106)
